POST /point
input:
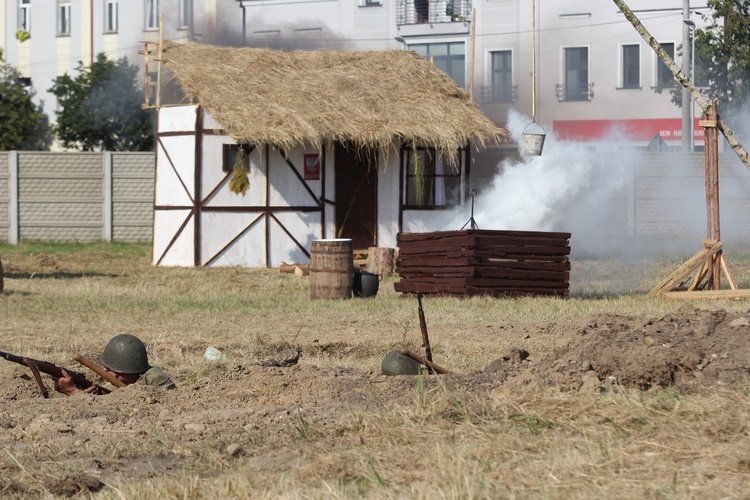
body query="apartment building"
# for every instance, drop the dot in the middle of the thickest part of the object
(595, 76)
(44, 39)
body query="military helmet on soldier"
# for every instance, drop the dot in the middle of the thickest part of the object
(125, 354)
(396, 363)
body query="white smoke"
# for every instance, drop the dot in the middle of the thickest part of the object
(571, 187)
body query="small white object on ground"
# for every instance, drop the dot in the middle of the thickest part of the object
(213, 354)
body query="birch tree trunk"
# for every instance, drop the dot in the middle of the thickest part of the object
(684, 81)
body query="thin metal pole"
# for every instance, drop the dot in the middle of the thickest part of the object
(473, 52)
(692, 104)
(533, 60)
(687, 126)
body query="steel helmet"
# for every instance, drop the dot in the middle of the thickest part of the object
(125, 354)
(396, 363)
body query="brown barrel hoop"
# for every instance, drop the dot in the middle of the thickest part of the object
(331, 269)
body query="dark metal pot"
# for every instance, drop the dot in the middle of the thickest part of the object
(365, 284)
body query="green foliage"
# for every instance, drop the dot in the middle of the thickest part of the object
(419, 185)
(23, 125)
(722, 60)
(239, 183)
(23, 35)
(100, 109)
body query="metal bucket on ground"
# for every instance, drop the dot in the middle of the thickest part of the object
(331, 269)
(533, 139)
(365, 284)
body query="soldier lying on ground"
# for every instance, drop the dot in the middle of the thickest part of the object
(124, 357)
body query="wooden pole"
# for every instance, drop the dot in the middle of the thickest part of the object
(147, 77)
(158, 70)
(716, 259)
(709, 124)
(684, 81)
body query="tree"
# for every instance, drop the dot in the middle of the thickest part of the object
(724, 48)
(23, 125)
(722, 61)
(100, 109)
(729, 134)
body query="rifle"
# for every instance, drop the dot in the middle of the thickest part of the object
(425, 337)
(99, 371)
(36, 366)
(429, 364)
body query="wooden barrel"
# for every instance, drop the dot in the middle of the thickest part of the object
(331, 269)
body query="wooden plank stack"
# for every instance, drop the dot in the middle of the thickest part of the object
(484, 262)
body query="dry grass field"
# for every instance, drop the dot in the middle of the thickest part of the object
(609, 393)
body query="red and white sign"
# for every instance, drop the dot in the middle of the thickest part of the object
(312, 167)
(644, 129)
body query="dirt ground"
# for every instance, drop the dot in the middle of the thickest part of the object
(238, 412)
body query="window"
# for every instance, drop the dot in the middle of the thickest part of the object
(664, 76)
(184, 14)
(439, 185)
(576, 74)
(371, 3)
(502, 76)
(152, 14)
(63, 17)
(422, 11)
(111, 21)
(631, 67)
(229, 157)
(24, 15)
(449, 57)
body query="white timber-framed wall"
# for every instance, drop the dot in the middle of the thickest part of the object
(198, 221)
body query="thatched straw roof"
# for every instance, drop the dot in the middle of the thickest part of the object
(302, 98)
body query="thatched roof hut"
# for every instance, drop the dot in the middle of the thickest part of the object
(309, 98)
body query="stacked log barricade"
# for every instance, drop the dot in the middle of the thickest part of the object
(484, 262)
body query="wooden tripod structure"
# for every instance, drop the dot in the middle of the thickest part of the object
(710, 261)
(700, 276)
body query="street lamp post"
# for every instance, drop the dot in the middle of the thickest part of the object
(244, 27)
(687, 123)
(691, 75)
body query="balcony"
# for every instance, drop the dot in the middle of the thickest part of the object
(412, 12)
(495, 95)
(579, 92)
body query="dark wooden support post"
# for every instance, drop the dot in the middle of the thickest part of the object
(268, 207)
(713, 230)
(197, 179)
(323, 191)
(401, 181)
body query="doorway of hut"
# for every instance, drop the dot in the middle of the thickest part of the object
(356, 195)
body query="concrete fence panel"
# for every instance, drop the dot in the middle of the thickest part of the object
(76, 197)
(4, 199)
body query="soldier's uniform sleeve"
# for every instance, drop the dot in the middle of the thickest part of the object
(157, 378)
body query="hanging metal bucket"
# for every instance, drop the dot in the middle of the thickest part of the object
(533, 139)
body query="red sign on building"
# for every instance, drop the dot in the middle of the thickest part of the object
(669, 129)
(312, 167)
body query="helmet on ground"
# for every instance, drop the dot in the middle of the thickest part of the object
(125, 354)
(396, 363)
